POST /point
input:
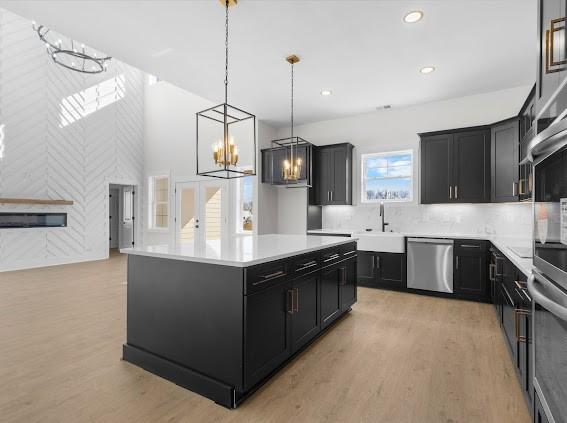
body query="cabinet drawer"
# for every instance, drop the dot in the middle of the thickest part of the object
(306, 263)
(348, 250)
(330, 256)
(266, 275)
(470, 245)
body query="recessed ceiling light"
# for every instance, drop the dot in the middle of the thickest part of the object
(427, 69)
(413, 17)
(326, 93)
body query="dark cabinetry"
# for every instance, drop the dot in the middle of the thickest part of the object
(504, 161)
(455, 166)
(513, 307)
(470, 270)
(333, 170)
(291, 301)
(267, 332)
(381, 269)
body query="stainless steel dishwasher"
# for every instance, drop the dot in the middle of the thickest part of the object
(430, 264)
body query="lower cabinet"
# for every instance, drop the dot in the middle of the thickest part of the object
(304, 309)
(331, 278)
(283, 318)
(381, 269)
(267, 332)
(349, 284)
(470, 275)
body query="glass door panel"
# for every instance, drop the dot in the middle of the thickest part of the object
(187, 213)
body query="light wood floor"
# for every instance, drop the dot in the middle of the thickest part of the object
(395, 358)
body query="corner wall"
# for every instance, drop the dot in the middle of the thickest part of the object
(54, 148)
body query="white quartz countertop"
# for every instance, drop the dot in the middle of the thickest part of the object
(241, 251)
(504, 244)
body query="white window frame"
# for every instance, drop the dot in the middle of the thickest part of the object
(363, 157)
(152, 202)
(239, 188)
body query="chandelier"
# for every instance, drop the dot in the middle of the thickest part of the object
(291, 157)
(70, 54)
(228, 130)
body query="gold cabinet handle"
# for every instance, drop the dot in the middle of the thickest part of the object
(456, 192)
(492, 272)
(514, 189)
(290, 301)
(296, 308)
(450, 192)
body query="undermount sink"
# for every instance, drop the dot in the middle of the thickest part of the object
(384, 242)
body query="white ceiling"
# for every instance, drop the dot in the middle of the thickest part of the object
(361, 50)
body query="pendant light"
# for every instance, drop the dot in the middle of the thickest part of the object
(291, 157)
(226, 135)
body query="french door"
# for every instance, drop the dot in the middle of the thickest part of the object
(201, 212)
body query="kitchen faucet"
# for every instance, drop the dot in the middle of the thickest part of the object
(384, 224)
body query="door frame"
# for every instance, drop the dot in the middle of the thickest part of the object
(199, 186)
(136, 233)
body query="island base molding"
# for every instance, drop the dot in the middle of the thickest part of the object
(212, 389)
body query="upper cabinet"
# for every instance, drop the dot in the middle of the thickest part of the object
(455, 166)
(332, 183)
(504, 161)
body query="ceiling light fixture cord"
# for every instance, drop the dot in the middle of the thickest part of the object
(291, 150)
(226, 57)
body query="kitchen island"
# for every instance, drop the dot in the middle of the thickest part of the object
(221, 319)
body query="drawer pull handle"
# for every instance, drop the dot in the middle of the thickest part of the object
(348, 253)
(492, 272)
(307, 265)
(469, 246)
(269, 277)
(332, 257)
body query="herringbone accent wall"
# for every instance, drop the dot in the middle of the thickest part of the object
(65, 136)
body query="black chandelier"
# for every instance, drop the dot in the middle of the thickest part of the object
(226, 135)
(70, 54)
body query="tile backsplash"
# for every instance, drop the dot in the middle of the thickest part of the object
(507, 220)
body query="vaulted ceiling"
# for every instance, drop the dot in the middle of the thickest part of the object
(361, 50)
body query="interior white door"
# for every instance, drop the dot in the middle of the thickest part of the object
(201, 212)
(127, 217)
(113, 217)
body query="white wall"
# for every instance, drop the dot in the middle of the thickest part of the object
(397, 129)
(42, 158)
(170, 148)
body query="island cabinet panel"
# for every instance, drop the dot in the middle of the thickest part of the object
(267, 325)
(165, 300)
(222, 330)
(304, 305)
(349, 284)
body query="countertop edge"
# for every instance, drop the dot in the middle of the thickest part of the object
(234, 263)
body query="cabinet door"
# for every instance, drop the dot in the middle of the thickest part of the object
(436, 168)
(509, 321)
(305, 304)
(391, 270)
(339, 176)
(348, 284)
(504, 162)
(471, 166)
(470, 275)
(330, 294)
(324, 176)
(267, 326)
(366, 268)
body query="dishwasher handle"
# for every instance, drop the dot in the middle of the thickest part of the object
(431, 241)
